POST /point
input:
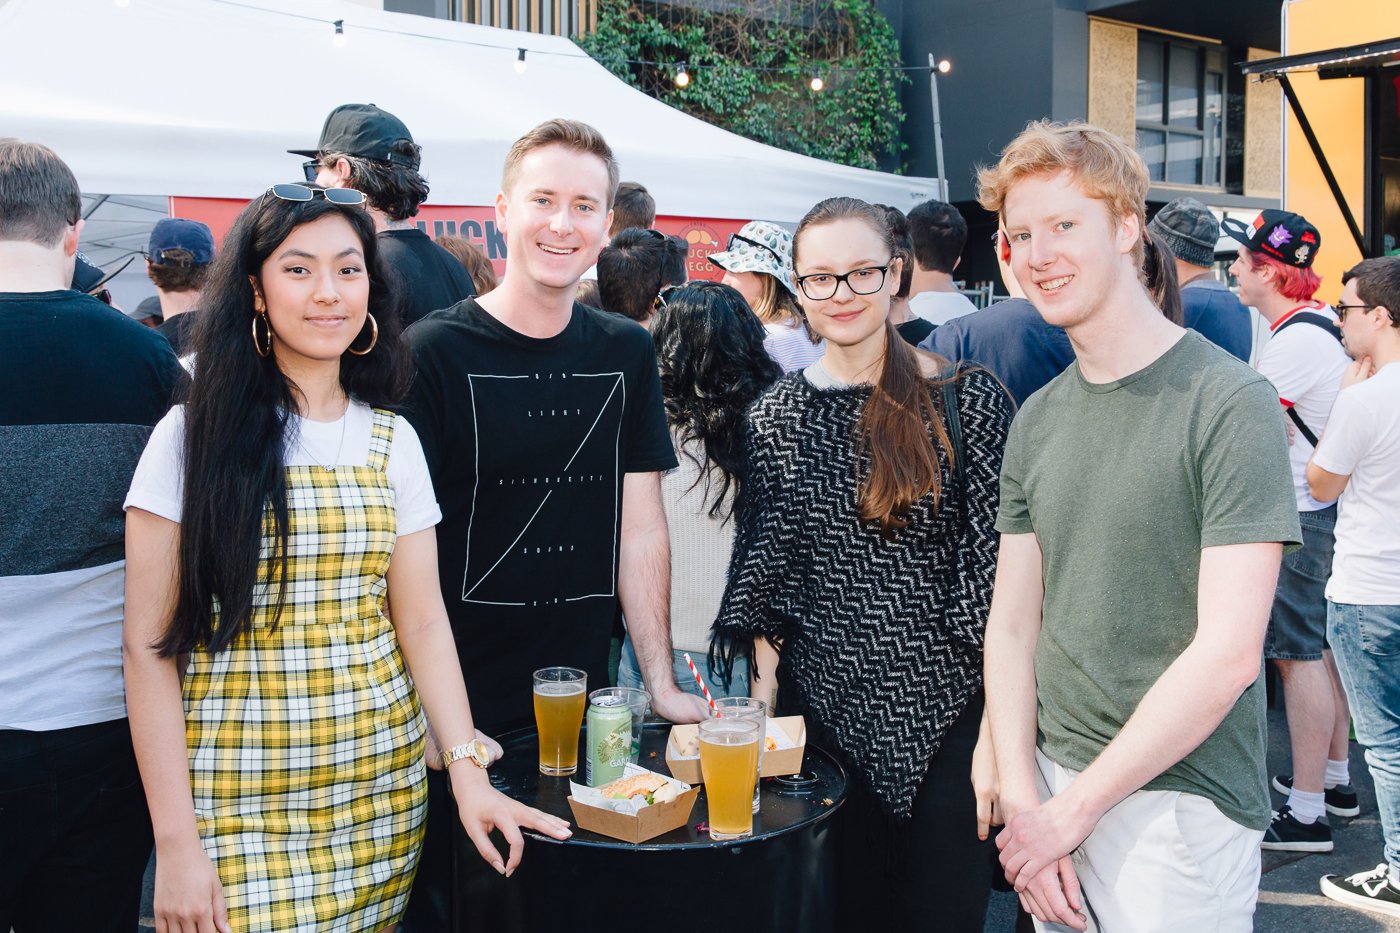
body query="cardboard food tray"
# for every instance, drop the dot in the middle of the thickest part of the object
(647, 823)
(777, 762)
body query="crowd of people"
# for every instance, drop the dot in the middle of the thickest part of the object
(1018, 567)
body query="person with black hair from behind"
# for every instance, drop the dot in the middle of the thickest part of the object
(635, 268)
(371, 151)
(713, 366)
(277, 728)
(939, 233)
(906, 323)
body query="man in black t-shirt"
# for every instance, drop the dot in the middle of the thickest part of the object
(542, 424)
(370, 150)
(81, 385)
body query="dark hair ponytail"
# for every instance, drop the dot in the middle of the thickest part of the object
(236, 424)
(902, 422)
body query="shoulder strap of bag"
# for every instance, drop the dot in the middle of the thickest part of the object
(954, 426)
(1317, 320)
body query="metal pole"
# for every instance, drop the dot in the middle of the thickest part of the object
(937, 129)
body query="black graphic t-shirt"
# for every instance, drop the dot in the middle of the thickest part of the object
(528, 440)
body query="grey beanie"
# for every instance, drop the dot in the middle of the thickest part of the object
(1188, 229)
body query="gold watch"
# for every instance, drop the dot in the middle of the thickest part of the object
(475, 750)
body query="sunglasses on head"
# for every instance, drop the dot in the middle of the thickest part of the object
(303, 193)
(739, 238)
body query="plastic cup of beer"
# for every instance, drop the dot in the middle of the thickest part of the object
(746, 708)
(560, 696)
(729, 764)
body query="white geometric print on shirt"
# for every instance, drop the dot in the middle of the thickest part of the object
(525, 537)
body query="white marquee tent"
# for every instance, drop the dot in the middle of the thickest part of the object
(146, 99)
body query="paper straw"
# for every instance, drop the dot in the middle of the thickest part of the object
(701, 681)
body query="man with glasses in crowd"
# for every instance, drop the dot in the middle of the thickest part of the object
(1304, 360)
(370, 150)
(1358, 459)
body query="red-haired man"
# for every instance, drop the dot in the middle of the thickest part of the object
(1304, 360)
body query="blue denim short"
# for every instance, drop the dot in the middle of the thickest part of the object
(1298, 621)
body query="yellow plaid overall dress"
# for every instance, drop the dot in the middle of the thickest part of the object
(306, 741)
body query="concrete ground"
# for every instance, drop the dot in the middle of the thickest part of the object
(1289, 900)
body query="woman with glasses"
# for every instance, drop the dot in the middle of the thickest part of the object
(713, 366)
(279, 735)
(862, 574)
(757, 262)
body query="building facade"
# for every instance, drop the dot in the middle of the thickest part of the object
(1163, 74)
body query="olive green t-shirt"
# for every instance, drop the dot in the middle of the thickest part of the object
(1123, 483)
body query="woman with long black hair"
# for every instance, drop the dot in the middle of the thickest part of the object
(710, 347)
(862, 573)
(279, 735)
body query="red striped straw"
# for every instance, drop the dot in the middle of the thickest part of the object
(701, 681)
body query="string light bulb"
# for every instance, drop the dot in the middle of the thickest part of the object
(520, 62)
(682, 76)
(944, 66)
(817, 83)
(338, 40)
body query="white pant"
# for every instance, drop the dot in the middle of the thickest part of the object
(1161, 860)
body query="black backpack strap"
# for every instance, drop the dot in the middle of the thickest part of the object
(1302, 428)
(1317, 320)
(954, 426)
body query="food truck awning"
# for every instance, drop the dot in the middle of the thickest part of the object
(1352, 61)
(1368, 55)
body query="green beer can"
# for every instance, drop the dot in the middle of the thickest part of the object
(609, 725)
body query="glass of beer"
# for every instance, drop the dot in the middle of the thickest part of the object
(560, 696)
(729, 763)
(746, 708)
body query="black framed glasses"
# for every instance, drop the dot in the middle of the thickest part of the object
(739, 238)
(819, 286)
(311, 168)
(1342, 310)
(303, 193)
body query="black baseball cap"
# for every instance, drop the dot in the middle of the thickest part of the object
(1282, 235)
(363, 130)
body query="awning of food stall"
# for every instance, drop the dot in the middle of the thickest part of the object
(1369, 59)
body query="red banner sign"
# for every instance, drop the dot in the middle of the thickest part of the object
(478, 224)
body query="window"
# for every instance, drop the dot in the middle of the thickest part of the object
(1181, 110)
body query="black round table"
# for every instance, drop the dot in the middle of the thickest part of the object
(778, 879)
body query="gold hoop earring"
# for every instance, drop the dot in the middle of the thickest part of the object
(374, 329)
(258, 344)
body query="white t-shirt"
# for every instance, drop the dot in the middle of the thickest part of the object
(158, 485)
(940, 307)
(1305, 364)
(790, 347)
(1363, 442)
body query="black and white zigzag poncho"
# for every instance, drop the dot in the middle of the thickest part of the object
(881, 639)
